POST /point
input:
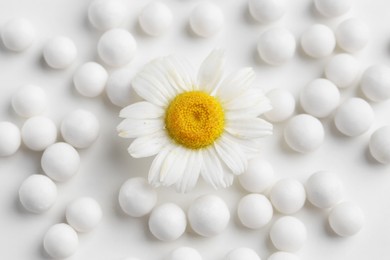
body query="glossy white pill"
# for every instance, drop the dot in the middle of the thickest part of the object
(206, 19)
(84, 214)
(258, 177)
(37, 193)
(283, 105)
(375, 83)
(343, 70)
(119, 87)
(39, 132)
(283, 256)
(10, 138)
(18, 34)
(288, 196)
(254, 211)
(318, 41)
(242, 253)
(187, 253)
(380, 144)
(266, 11)
(208, 215)
(90, 79)
(60, 241)
(106, 14)
(59, 52)
(136, 197)
(29, 100)
(288, 234)
(333, 8)
(155, 19)
(346, 219)
(352, 35)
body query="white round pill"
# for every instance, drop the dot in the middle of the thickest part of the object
(39, 132)
(288, 234)
(155, 19)
(266, 11)
(59, 52)
(319, 98)
(242, 253)
(324, 189)
(379, 144)
(37, 193)
(352, 35)
(304, 133)
(254, 211)
(276, 46)
(80, 128)
(343, 70)
(60, 161)
(283, 256)
(187, 253)
(106, 14)
(346, 219)
(208, 215)
(375, 83)
(119, 87)
(117, 47)
(60, 241)
(29, 100)
(318, 41)
(136, 197)
(206, 19)
(90, 79)
(333, 8)
(18, 34)
(354, 117)
(10, 138)
(83, 214)
(283, 105)
(167, 222)
(288, 196)
(258, 177)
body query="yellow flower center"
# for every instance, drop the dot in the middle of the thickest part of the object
(194, 119)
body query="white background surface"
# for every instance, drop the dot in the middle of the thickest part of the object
(106, 165)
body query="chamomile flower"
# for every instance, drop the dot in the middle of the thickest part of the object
(206, 126)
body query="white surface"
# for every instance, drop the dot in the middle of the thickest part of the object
(106, 164)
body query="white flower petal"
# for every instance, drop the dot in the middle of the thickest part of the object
(155, 168)
(178, 74)
(133, 128)
(212, 171)
(210, 72)
(191, 175)
(249, 128)
(253, 100)
(231, 154)
(251, 147)
(142, 110)
(147, 89)
(236, 84)
(174, 166)
(148, 145)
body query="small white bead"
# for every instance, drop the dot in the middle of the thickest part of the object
(119, 87)
(106, 14)
(155, 19)
(60, 241)
(136, 197)
(266, 11)
(80, 128)
(10, 138)
(83, 214)
(304, 133)
(254, 211)
(375, 83)
(319, 98)
(283, 105)
(242, 253)
(324, 189)
(90, 79)
(29, 100)
(39, 132)
(343, 70)
(212, 223)
(333, 8)
(380, 144)
(206, 19)
(187, 253)
(117, 47)
(18, 34)
(59, 52)
(354, 117)
(167, 222)
(283, 256)
(258, 177)
(352, 35)
(288, 196)
(318, 41)
(346, 219)
(37, 193)
(276, 46)
(288, 234)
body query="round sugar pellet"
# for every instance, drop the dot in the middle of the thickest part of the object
(155, 19)
(324, 189)
(187, 253)
(84, 214)
(167, 222)
(60, 241)
(304, 133)
(283, 256)
(266, 11)
(276, 46)
(29, 100)
(318, 41)
(242, 253)
(37, 193)
(379, 144)
(258, 177)
(346, 219)
(59, 52)
(343, 70)
(18, 34)
(90, 79)
(288, 196)
(117, 47)
(136, 197)
(208, 215)
(106, 14)
(254, 211)
(319, 98)
(354, 117)
(39, 132)
(283, 105)
(10, 138)
(119, 87)
(332, 8)
(375, 83)
(80, 128)
(206, 19)
(288, 234)
(352, 35)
